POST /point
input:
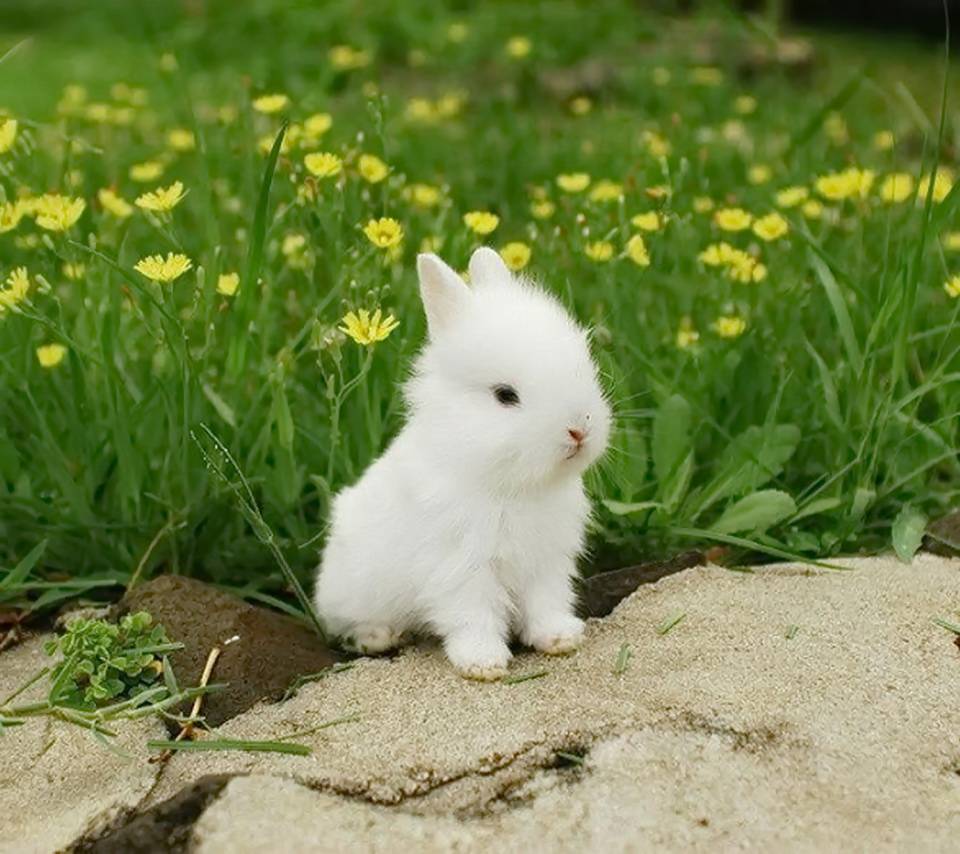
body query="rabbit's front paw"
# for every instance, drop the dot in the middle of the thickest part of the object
(560, 635)
(373, 638)
(483, 659)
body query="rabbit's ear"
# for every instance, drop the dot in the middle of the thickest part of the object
(445, 295)
(487, 267)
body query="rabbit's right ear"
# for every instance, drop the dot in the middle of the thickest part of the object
(445, 295)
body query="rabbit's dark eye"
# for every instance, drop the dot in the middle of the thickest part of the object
(506, 395)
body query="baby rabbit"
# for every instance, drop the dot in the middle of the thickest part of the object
(470, 523)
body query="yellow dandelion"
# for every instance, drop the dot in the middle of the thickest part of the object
(343, 57)
(432, 243)
(648, 221)
(850, 183)
(10, 215)
(952, 287)
(515, 255)
(581, 105)
(163, 199)
(481, 222)
(15, 290)
(323, 164)
(156, 268)
(717, 254)
(573, 182)
(745, 104)
(606, 191)
(8, 134)
(835, 127)
(744, 268)
(51, 355)
(656, 144)
(384, 233)
(168, 63)
(450, 104)
(770, 227)
(147, 171)
(759, 173)
(729, 326)
(706, 75)
(367, 329)
(292, 244)
(883, 140)
(599, 250)
(637, 251)
(951, 241)
(942, 184)
(114, 204)
(181, 139)
(420, 110)
(269, 104)
(457, 32)
(732, 219)
(660, 76)
(542, 209)
(74, 270)
(227, 284)
(372, 169)
(702, 204)
(812, 209)
(790, 197)
(58, 213)
(897, 187)
(317, 124)
(687, 336)
(422, 195)
(519, 47)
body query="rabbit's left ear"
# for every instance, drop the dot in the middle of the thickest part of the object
(445, 295)
(487, 267)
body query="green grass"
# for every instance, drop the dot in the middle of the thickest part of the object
(805, 435)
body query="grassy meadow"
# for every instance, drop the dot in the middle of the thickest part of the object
(204, 205)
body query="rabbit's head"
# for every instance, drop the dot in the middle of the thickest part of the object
(505, 392)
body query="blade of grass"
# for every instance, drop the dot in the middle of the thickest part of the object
(214, 744)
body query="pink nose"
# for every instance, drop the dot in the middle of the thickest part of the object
(577, 435)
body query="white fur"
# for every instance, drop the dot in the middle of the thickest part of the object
(470, 523)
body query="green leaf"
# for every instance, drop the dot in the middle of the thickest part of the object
(224, 410)
(671, 439)
(623, 508)
(19, 573)
(819, 505)
(908, 529)
(756, 512)
(841, 312)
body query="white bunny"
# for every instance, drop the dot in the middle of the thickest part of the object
(470, 523)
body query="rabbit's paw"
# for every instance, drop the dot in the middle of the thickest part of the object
(484, 660)
(373, 638)
(559, 636)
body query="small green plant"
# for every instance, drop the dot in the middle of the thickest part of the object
(104, 662)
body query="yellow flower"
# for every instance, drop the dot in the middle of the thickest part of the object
(599, 250)
(759, 173)
(384, 233)
(372, 169)
(422, 195)
(744, 268)
(292, 244)
(8, 134)
(74, 271)
(168, 63)
(323, 164)
(367, 329)
(790, 197)
(770, 227)
(656, 145)
(581, 105)
(181, 139)
(952, 287)
(450, 105)
(574, 182)
(717, 254)
(606, 191)
(58, 213)
(706, 76)
(268, 104)
(835, 127)
(159, 269)
(851, 182)
(10, 215)
(729, 326)
(883, 140)
(812, 209)
(648, 221)
(515, 255)
(227, 284)
(481, 222)
(942, 184)
(702, 204)
(17, 286)
(543, 209)
(433, 243)
(317, 124)
(163, 199)
(897, 187)
(519, 47)
(951, 241)
(637, 251)
(661, 76)
(732, 219)
(687, 336)
(147, 171)
(114, 204)
(51, 355)
(343, 57)
(457, 32)
(745, 104)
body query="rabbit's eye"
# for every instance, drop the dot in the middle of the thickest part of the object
(506, 395)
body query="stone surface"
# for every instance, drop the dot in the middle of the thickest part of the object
(267, 653)
(57, 783)
(943, 535)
